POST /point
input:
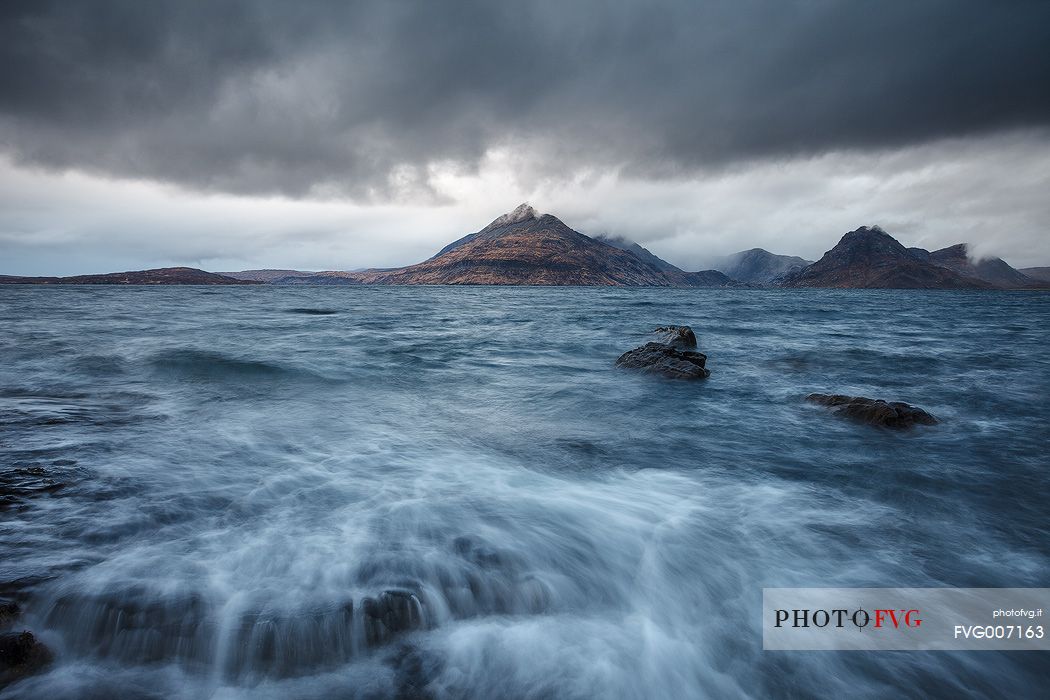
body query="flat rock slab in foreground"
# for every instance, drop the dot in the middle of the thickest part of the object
(660, 358)
(886, 414)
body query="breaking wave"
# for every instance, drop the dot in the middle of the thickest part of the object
(451, 492)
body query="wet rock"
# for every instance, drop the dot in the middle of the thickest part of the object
(413, 670)
(132, 624)
(282, 644)
(680, 336)
(9, 612)
(660, 358)
(21, 655)
(483, 555)
(886, 414)
(389, 614)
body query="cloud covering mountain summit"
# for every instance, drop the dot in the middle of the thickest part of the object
(363, 98)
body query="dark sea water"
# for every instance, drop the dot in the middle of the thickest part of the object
(275, 492)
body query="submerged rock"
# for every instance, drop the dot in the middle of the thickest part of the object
(9, 612)
(389, 614)
(681, 336)
(664, 359)
(21, 655)
(886, 414)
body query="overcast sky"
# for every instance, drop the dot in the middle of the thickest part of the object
(231, 135)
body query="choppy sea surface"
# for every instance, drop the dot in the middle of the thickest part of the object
(277, 492)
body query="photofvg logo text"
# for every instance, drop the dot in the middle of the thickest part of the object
(904, 618)
(840, 617)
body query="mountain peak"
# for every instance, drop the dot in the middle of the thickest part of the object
(524, 248)
(864, 231)
(994, 271)
(523, 212)
(957, 250)
(868, 240)
(759, 266)
(868, 257)
(638, 251)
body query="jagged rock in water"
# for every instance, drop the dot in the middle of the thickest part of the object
(886, 414)
(660, 358)
(139, 625)
(9, 612)
(21, 654)
(283, 644)
(681, 336)
(389, 614)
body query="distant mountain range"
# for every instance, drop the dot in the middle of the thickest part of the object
(759, 266)
(164, 275)
(994, 271)
(871, 258)
(523, 247)
(265, 275)
(637, 250)
(1037, 273)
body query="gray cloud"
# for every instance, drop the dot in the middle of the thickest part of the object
(363, 99)
(989, 191)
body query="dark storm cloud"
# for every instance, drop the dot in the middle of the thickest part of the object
(359, 98)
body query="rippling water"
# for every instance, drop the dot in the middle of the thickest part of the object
(451, 492)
